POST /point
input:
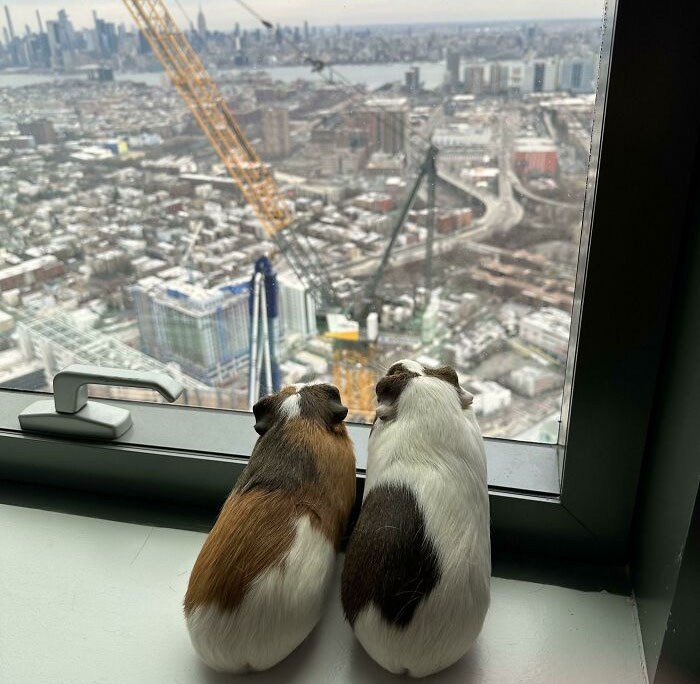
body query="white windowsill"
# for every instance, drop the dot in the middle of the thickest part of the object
(88, 600)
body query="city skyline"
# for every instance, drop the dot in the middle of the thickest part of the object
(224, 14)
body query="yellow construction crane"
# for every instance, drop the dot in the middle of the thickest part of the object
(352, 372)
(207, 105)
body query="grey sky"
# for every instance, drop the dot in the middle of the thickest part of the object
(223, 14)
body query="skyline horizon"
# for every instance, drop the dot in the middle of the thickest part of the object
(114, 11)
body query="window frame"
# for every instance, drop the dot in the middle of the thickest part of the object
(613, 381)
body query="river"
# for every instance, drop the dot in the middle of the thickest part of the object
(371, 75)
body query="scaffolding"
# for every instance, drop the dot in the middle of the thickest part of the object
(57, 342)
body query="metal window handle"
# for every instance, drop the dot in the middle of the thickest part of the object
(70, 412)
(70, 392)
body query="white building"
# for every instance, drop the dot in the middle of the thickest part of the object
(531, 380)
(547, 329)
(541, 76)
(297, 307)
(578, 74)
(462, 135)
(489, 396)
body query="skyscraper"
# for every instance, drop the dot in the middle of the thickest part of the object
(497, 78)
(474, 79)
(453, 58)
(55, 52)
(10, 28)
(413, 79)
(106, 42)
(275, 130)
(201, 24)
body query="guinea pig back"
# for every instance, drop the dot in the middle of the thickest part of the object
(415, 583)
(259, 583)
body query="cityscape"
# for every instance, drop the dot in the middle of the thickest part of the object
(125, 241)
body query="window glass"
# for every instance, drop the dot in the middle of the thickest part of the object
(129, 239)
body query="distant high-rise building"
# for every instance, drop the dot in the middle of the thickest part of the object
(10, 28)
(201, 23)
(453, 58)
(55, 51)
(388, 124)
(13, 42)
(413, 79)
(67, 34)
(106, 42)
(41, 130)
(38, 21)
(62, 41)
(297, 307)
(205, 331)
(144, 46)
(498, 76)
(474, 79)
(275, 130)
(540, 76)
(306, 30)
(578, 74)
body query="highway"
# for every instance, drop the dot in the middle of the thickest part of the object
(522, 190)
(502, 212)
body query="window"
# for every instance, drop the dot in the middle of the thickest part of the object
(124, 242)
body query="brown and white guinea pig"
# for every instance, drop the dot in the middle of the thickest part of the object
(415, 584)
(259, 583)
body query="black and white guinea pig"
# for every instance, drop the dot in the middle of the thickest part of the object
(415, 584)
(259, 583)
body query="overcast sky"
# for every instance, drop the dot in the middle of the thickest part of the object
(223, 14)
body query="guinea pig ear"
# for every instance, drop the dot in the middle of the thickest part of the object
(338, 412)
(264, 415)
(465, 398)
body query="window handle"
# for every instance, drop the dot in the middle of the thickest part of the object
(70, 385)
(70, 412)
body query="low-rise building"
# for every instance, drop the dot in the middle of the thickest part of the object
(547, 329)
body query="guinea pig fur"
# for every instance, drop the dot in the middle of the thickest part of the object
(259, 583)
(415, 584)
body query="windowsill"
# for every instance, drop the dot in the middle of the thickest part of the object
(114, 590)
(181, 431)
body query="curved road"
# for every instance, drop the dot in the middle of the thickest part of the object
(502, 212)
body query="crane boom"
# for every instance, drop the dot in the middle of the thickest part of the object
(209, 108)
(211, 112)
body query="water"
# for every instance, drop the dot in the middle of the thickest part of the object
(17, 80)
(371, 75)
